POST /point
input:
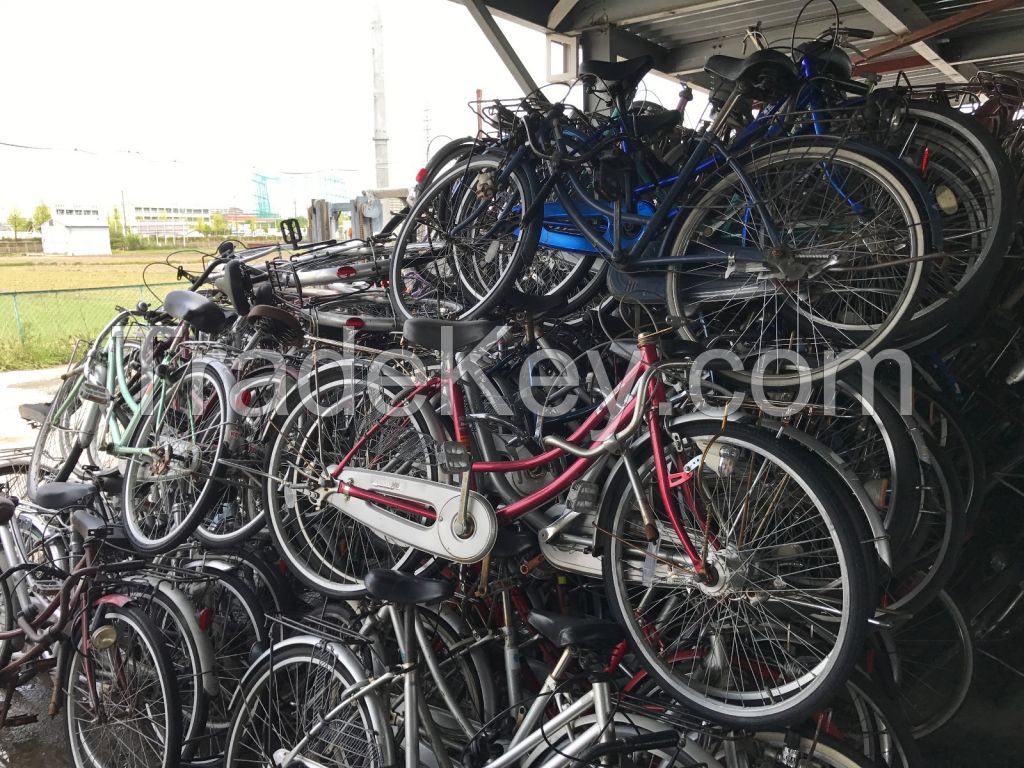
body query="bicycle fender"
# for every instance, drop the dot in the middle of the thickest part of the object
(211, 683)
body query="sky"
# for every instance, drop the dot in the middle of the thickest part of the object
(181, 103)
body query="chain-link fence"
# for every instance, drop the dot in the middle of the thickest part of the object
(40, 328)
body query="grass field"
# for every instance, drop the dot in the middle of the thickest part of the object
(38, 330)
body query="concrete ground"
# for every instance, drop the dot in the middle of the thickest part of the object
(41, 744)
(17, 388)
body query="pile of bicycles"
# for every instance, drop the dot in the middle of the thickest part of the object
(622, 442)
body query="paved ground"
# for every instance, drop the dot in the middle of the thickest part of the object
(16, 388)
(41, 744)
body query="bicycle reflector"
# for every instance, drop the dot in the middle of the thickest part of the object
(346, 272)
(421, 174)
(355, 323)
(206, 619)
(103, 637)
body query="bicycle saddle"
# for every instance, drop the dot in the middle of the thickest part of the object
(406, 588)
(61, 495)
(649, 125)
(627, 74)
(429, 333)
(36, 412)
(564, 631)
(833, 61)
(768, 72)
(198, 311)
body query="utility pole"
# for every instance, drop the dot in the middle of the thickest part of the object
(380, 132)
(124, 215)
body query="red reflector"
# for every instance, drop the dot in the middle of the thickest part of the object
(421, 174)
(346, 271)
(355, 322)
(282, 566)
(924, 161)
(247, 398)
(205, 619)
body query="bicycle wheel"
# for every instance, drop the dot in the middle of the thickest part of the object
(233, 619)
(925, 564)
(132, 684)
(325, 548)
(184, 654)
(872, 722)
(237, 513)
(847, 278)
(933, 664)
(464, 243)
(173, 471)
(778, 622)
(289, 693)
(971, 180)
(56, 450)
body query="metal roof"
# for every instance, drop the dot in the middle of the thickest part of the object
(681, 34)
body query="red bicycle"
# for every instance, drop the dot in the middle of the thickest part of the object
(114, 677)
(723, 549)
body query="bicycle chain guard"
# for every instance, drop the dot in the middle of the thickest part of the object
(440, 538)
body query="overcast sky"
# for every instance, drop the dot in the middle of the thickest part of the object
(180, 103)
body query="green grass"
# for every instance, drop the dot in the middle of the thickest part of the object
(51, 323)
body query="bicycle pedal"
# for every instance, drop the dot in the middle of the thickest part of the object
(582, 497)
(94, 393)
(453, 457)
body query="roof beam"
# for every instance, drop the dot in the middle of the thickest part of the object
(590, 13)
(902, 17)
(887, 66)
(559, 12)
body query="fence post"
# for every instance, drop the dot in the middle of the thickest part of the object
(17, 318)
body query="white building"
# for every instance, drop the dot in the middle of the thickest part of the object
(76, 232)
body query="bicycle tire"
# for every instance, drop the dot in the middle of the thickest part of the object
(753, 706)
(973, 156)
(457, 289)
(317, 414)
(849, 329)
(299, 667)
(167, 737)
(60, 466)
(153, 522)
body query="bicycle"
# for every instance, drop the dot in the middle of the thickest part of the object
(114, 679)
(349, 488)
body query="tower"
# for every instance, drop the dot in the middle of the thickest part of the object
(380, 133)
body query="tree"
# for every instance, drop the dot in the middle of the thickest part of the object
(114, 224)
(219, 226)
(40, 216)
(17, 222)
(252, 225)
(202, 227)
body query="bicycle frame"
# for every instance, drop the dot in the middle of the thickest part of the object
(640, 379)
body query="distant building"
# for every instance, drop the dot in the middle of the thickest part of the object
(76, 231)
(178, 221)
(165, 221)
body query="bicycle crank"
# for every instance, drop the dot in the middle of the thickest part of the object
(443, 538)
